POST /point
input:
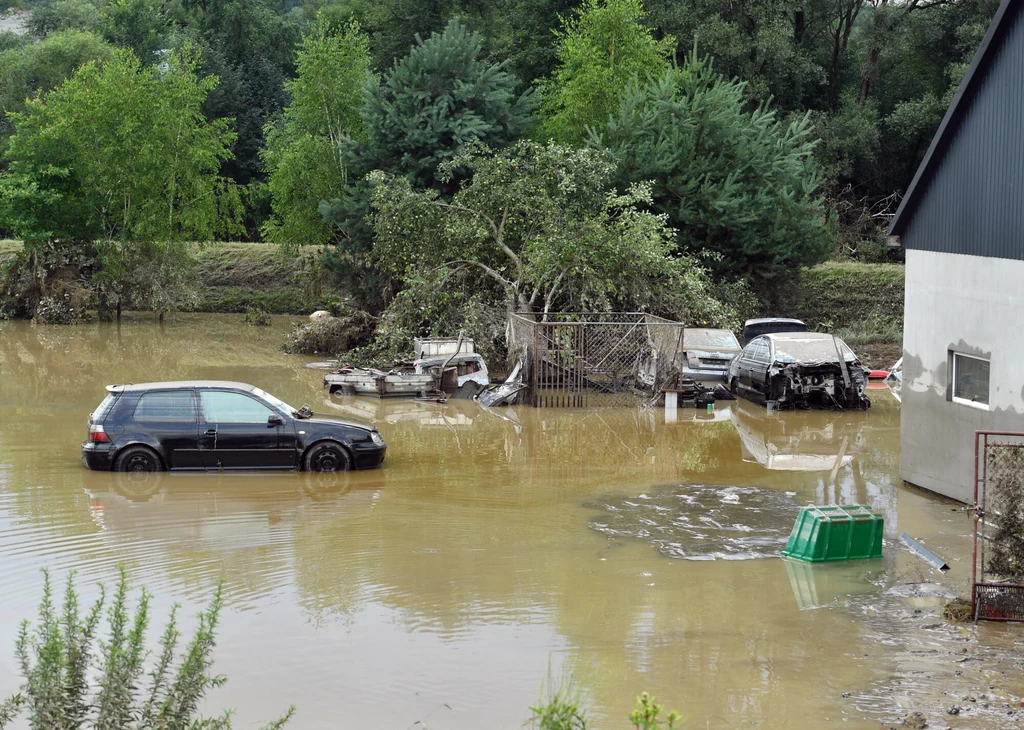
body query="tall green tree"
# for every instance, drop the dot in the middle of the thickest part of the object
(542, 223)
(250, 48)
(600, 49)
(740, 184)
(120, 159)
(38, 68)
(304, 155)
(441, 96)
(434, 102)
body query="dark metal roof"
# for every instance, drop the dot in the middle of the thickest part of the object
(973, 80)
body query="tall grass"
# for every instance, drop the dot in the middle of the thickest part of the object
(74, 680)
(561, 706)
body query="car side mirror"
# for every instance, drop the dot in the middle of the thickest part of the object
(274, 420)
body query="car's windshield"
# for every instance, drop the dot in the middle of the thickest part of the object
(274, 402)
(811, 349)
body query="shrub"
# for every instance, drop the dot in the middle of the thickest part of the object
(646, 715)
(72, 679)
(257, 317)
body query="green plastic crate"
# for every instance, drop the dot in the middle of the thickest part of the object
(835, 533)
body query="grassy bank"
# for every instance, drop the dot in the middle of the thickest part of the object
(862, 303)
(235, 276)
(239, 275)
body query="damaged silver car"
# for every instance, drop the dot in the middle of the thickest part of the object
(799, 370)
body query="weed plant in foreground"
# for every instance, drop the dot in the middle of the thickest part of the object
(74, 679)
(563, 707)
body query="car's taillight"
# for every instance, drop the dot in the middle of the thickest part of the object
(96, 433)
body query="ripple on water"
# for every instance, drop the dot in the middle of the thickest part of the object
(702, 521)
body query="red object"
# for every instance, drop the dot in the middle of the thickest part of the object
(878, 375)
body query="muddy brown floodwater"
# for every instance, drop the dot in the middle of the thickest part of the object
(496, 546)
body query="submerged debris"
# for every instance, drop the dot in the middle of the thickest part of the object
(916, 720)
(703, 522)
(327, 335)
(958, 611)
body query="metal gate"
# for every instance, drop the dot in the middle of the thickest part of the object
(998, 526)
(594, 359)
(557, 376)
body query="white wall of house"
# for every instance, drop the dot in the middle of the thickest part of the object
(968, 304)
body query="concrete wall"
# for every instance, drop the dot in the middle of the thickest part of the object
(973, 305)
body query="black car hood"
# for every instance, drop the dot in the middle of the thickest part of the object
(332, 422)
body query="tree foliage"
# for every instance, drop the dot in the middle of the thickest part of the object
(736, 182)
(121, 158)
(38, 68)
(437, 99)
(305, 154)
(542, 223)
(600, 49)
(434, 102)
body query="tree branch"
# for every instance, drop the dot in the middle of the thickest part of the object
(493, 226)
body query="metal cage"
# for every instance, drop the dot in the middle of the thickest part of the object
(586, 359)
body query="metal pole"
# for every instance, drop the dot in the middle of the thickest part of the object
(974, 550)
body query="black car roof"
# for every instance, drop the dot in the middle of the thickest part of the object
(171, 384)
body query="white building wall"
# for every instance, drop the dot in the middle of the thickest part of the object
(973, 305)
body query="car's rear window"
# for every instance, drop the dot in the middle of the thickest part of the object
(103, 409)
(710, 339)
(166, 407)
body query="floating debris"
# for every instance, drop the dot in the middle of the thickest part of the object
(703, 522)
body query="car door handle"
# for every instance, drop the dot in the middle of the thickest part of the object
(211, 432)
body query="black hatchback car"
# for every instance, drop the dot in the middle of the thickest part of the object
(198, 425)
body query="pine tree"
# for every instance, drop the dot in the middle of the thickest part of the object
(433, 103)
(436, 100)
(740, 184)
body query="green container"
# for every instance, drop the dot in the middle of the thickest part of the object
(835, 533)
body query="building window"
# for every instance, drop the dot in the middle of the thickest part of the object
(970, 380)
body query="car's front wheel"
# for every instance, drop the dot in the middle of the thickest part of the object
(327, 457)
(732, 386)
(138, 459)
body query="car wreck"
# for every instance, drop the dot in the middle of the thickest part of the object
(707, 353)
(799, 370)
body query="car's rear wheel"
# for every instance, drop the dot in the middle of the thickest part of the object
(327, 457)
(138, 460)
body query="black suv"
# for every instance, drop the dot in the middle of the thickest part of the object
(216, 425)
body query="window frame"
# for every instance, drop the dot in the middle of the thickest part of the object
(250, 396)
(184, 391)
(954, 356)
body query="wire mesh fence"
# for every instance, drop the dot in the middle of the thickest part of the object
(587, 359)
(998, 569)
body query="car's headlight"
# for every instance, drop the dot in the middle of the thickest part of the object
(376, 437)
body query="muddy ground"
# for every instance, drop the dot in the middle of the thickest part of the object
(879, 355)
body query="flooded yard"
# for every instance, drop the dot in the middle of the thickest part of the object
(496, 546)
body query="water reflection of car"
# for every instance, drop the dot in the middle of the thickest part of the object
(707, 353)
(184, 508)
(799, 370)
(797, 442)
(214, 425)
